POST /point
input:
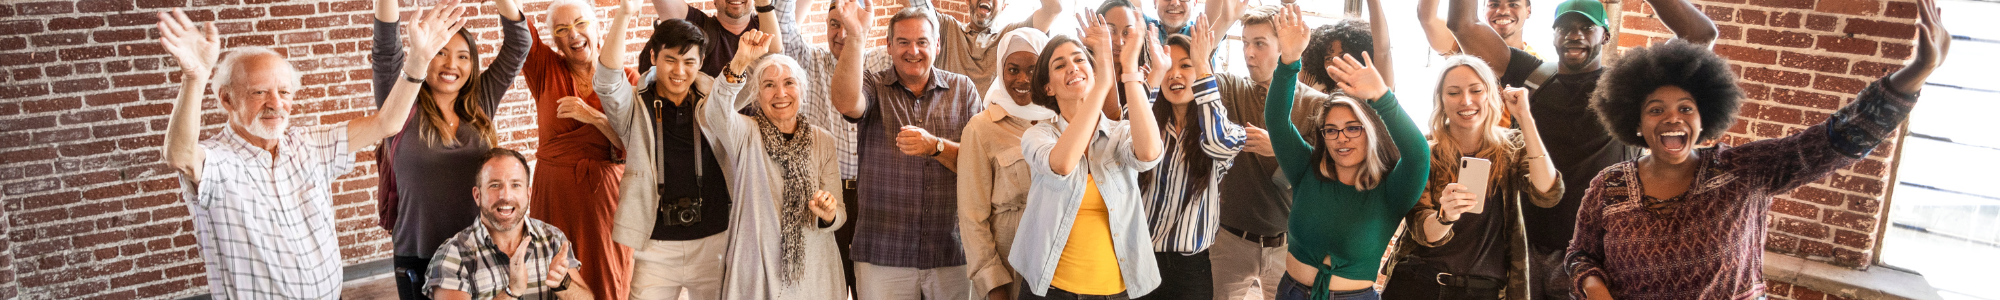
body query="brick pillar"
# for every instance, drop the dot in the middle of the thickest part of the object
(1798, 61)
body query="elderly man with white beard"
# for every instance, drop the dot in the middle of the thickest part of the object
(259, 190)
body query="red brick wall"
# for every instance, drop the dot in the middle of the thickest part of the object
(90, 210)
(1799, 60)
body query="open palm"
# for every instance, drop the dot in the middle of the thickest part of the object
(433, 29)
(196, 47)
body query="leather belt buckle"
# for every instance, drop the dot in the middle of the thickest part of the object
(1441, 276)
(850, 184)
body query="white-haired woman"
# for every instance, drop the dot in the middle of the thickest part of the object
(1451, 253)
(781, 242)
(1352, 183)
(992, 180)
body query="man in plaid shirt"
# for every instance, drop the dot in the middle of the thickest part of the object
(260, 189)
(505, 254)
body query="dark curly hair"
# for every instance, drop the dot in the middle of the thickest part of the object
(1354, 38)
(670, 34)
(1621, 94)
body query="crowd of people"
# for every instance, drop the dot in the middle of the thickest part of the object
(968, 159)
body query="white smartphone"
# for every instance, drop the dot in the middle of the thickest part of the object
(1472, 173)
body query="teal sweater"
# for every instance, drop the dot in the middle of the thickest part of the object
(1333, 220)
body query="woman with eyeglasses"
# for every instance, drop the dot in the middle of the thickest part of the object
(1449, 251)
(1350, 188)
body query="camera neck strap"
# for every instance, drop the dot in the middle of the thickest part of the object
(660, 126)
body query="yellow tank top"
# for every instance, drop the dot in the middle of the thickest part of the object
(1088, 265)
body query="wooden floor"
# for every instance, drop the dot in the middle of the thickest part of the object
(379, 287)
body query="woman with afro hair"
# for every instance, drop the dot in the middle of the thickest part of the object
(1687, 221)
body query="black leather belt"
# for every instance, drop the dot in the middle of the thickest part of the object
(849, 184)
(1468, 281)
(1266, 241)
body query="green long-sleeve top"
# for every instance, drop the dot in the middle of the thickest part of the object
(1335, 222)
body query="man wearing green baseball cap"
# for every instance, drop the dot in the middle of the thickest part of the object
(1577, 144)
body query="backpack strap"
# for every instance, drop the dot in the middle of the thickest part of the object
(1541, 75)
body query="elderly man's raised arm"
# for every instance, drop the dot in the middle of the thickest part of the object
(196, 48)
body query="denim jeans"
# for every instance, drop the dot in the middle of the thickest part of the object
(1289, 289)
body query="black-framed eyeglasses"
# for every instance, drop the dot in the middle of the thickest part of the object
(1351, 131)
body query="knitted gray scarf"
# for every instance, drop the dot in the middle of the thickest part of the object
(801, 180)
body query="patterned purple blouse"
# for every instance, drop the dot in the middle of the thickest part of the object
(1708, 243)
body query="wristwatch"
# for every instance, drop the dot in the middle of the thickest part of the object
(940, 148)
(411, 79)
(509, 290)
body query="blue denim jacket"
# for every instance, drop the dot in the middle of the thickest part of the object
(1053, 202)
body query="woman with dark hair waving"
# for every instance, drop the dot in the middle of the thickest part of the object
(1183, 196)
(1688, 222)
(429, 166)
(1352, 182)
(1082, 234)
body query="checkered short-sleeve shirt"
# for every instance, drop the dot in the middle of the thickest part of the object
(264, 223)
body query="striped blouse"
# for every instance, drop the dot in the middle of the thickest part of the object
(1183, 223)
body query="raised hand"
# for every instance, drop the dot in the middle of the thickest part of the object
(1096, 34)
(1515, 99)
(196, 47)
(823, 206)
(752, 45)
(850, 17)
(625, 8)
(1204, 43)
(1259, 142)
(1357, 78)
(1156, 69)
(432, 30)
(1933, 42)
(1292, 34)
(573, 108)
(915, 141)
(1128, 54)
